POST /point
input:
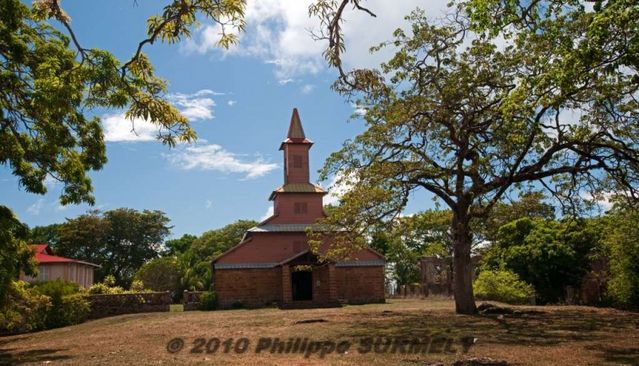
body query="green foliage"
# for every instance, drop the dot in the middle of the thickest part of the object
(530, 204)
(51, 85)
(138, 286)
(49, 234)
(215, 242)
(15, 254)
(160, 274)
(549, 255)
(622, 246)
(177, 246)
(68, 303)
(106, 287)
(25, 309)
(208, 301)
(120, 240)
(504, 286)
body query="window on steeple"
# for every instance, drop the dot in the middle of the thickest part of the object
(301, 208)
(297, 161)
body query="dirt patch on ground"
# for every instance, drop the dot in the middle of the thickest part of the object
(404, 332)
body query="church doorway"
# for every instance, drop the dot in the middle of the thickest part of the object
(302, 285)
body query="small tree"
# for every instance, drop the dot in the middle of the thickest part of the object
(160, 274)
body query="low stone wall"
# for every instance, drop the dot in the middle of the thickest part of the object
(115, 304)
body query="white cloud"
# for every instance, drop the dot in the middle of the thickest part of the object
(285, 81)
(279, 33)
(307, 89)
(208, 204)
(117, 128)
(195, 106)
(215, 157)
(231, 103)
(269, 213)
(36, 207)
(338, 186)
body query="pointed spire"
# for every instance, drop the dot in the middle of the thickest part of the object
(295, 130)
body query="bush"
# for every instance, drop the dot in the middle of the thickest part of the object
(101, 288)
(68, 303)
(25, 309)
(504, 286)
(208, 301)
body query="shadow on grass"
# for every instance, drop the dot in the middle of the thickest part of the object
(598, 331)
(626, 356)
(12, 357)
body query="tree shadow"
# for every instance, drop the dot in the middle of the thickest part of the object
(11, 356)
(618, 355)
(535, 328)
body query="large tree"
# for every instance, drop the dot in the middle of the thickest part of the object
(471, 119)
(119, 240)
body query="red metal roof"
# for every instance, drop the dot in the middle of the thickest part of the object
(44, 254)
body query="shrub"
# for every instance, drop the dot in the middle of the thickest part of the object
(137, 286)
(504, 286)
(68, 303)
(102, 288)
(73, 309)
(208, 301)
(25, 309)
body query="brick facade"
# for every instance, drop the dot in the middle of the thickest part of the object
(249, 287)
(359, 285)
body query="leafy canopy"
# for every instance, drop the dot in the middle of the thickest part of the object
(119, 240)
(51, 83)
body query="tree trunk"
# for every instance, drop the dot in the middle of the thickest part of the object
(462, 266)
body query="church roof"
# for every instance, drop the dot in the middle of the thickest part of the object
(288, 228)
(297, 188)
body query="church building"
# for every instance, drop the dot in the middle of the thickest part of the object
(273, 263)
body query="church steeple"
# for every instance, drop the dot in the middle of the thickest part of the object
(296, 147)
(297, 200)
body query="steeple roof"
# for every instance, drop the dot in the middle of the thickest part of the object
(295, 130)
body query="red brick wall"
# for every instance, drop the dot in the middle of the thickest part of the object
(360, 284)
(284, 208)
(276, 247)
(291, 173)
(321, 288)
(251, 287)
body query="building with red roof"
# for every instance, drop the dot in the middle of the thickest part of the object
(52, 267)
(273, 262)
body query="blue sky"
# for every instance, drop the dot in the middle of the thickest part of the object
(239, 101)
